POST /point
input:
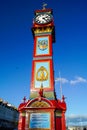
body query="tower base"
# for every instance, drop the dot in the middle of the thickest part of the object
(42, 114)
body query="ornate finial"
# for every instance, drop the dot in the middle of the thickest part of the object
(41, 90)
(44, 6)
(24, 99)
(40, 93)
(63, 98)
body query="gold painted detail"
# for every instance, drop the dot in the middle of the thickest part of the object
(58, 113)
(33, 95)
(43, 44)
(38, 129)
(23, 114)
(49, 95)
(42, 74)
(40, 104)
(43, 30)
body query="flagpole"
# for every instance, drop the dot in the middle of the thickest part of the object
(60, 86)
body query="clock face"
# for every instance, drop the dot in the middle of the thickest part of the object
(43, 18)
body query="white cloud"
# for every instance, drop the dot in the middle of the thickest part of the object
(77, 116)
(78, 80)
(62, 80)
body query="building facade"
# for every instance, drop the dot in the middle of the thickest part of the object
(77, 128)
(8, 116)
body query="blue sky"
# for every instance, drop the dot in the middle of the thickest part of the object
(69, 50)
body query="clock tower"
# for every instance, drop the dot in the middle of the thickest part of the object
(42, 67)
(43, 111)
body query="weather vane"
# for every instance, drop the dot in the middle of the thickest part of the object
(44, 5)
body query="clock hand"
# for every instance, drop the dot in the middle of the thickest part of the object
(45, 19)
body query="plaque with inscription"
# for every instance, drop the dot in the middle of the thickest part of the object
(39, 120)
